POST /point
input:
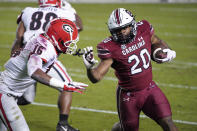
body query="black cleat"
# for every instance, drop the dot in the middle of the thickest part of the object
(65, 127)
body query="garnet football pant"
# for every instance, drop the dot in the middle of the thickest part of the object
(150, 100)
(11, 114)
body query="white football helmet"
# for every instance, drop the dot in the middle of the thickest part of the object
(119, 19)
(67, 6)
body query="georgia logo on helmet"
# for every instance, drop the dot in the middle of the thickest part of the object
(119, 19)
(45, 3)
(64, 35)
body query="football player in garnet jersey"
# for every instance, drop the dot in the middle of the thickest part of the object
(30, 64)
(128, 51)
(33, 21)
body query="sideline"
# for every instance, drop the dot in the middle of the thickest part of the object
(108, 112)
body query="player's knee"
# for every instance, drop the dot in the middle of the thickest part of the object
(22, 101)
(131, 125)
(167, 124)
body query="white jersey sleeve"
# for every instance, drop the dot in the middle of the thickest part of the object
(36, 19)
(15, 78)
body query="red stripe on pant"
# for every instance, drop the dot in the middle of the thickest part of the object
(4, 115)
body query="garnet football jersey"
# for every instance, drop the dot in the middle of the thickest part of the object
(132, 61)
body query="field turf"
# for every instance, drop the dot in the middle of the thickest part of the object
(95, 110)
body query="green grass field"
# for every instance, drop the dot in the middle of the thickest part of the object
(174, 23)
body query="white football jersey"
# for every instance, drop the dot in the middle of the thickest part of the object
(36, 19)
(15, 76)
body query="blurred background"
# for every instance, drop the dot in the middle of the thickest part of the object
(174, 21)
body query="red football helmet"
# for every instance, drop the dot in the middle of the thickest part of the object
(64, 35)
(44, 3)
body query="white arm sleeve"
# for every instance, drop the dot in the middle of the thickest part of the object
(34, 63)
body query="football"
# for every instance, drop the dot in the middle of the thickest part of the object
(157, 52)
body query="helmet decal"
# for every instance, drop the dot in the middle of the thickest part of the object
(117, 16)
(67, 28)
(129, 12)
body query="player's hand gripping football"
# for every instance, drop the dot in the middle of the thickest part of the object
(75, 87)
(88, 57)
(169, 55)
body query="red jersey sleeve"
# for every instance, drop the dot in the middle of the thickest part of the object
(103, 51)
(148, 25)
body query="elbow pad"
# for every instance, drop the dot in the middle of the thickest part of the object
(34, 63)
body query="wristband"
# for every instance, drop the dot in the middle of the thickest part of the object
(56, 83)
(155, 51)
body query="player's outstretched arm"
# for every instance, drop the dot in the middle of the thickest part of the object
(79, 23)
(43, 78)
(97, 73)
(34, 66)
(18, 42)
(161, 52)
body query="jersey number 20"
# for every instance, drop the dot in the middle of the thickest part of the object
(146, 63)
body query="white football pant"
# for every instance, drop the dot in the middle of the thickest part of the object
(2, 126)
(11, 115)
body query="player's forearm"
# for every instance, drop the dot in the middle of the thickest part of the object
(156, 40)
(45, 79)
(41, 77)
(16, 46)
(96, 74)
(18, 43)
(93, 76)
(79, 23)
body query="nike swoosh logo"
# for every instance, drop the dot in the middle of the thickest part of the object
(64, 128)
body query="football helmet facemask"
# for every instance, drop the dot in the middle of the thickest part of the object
(120, 19)
(45, 3)
(64, 35)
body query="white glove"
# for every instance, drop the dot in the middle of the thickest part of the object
(75, 87)
(88, 57)
(65, 86)
(170, 55)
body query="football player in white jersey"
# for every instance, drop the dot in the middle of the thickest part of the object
(30, 64)
(33, 21)
(67, 6)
